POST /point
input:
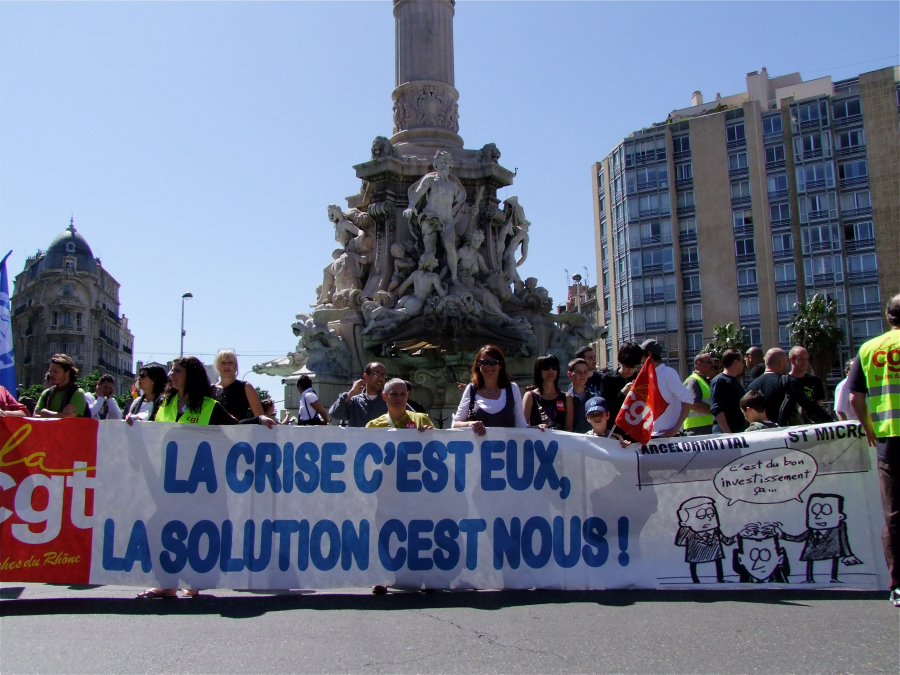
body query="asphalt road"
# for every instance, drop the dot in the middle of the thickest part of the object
(102, 629)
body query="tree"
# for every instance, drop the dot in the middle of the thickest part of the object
(263, 394)
(815, 326)
(724, 338)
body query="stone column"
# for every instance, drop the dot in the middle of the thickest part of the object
(425, 100)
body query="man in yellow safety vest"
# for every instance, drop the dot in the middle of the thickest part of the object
(700, 420)
(876, 374)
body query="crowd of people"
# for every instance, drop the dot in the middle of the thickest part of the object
(717, 397)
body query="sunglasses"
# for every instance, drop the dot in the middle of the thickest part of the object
(488, 362)
(549, 366)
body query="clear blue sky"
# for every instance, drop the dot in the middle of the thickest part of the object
(199, 144)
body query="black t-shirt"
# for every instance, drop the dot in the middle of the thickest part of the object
(594, 384)
(611, 389)
(769, 384)
(756, 371)
(724, 397)
(812, 387)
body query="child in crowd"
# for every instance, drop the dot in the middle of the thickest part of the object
(596, 411)
(753, 405)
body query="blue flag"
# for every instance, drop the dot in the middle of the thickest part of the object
(7, 364)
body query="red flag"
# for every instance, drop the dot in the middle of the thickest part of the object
(643, 405)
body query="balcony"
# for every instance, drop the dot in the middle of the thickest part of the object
(748, 290)
(687, 237)
(741, 202)
(775, 195)
(868, 308)
(851, 151)
(127, 350)
(821, 279)
(746, 258)
(862, 275)
(734, 145)
(690, 265)
(681, 156)
(65, 330)
(108, 340)
(847, 121)
(690, 294)
(783, 255)
(776, 165)
(786, 285)
(654, 298)
(821, 247)
(827, 214)
(747, 319)
(781, 225)
(859, 244)
(862, 212)
(856, 181)
(693, 323)
(656, 327)
(809, 154)
(685, 211)
(740, 172)
(775, 135)
(784, 317)
(814, 185)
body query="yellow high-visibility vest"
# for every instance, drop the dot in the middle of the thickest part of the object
(695, 419)
(168, 412)
(880, 361)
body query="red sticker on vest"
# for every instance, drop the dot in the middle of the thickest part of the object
(410, 425)
(561, 405)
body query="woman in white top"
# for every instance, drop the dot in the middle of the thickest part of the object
(491, 400)
(152, 382)
(311, 411)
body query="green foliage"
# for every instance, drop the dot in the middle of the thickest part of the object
(33, 392)
(263, 394)
(815, 326)
(724, 338)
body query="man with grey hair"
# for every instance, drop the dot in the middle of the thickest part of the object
(435, 201)
(399, 416)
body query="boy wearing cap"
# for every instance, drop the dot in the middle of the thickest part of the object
(596, 411)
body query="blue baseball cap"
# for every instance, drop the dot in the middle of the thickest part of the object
(596, 404)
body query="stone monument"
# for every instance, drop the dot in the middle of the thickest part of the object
(428, 266)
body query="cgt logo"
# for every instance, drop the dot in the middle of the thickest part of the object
(46, 497)
(889, 358)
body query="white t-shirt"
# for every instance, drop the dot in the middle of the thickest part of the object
(95, 405)
(307, 398)
(492, 406)
(144, 410)
(675, 393)
(842, 400)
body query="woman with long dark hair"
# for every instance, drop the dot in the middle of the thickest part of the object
(187, 400)
(546, 404)
(491, 399)
(152, 382)
(238, 397)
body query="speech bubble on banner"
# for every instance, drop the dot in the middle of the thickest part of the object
(767, 477)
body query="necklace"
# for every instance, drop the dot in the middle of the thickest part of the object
(490, 391)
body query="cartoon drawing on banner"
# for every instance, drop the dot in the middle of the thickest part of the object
(759, 557)
(826, 535)
(700, 535)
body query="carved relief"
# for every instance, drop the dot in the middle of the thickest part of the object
(426, 105)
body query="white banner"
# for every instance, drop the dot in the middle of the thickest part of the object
(321, 507)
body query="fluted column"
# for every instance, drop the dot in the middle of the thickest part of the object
(425, 100)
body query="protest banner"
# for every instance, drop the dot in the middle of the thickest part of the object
(173, 505)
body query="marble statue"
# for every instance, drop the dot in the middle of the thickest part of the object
(516, 228)
(326, 351)
(404, 263)
(424, 282)
(354, 231)
(435, 201)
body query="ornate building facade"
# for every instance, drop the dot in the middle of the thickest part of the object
(65, 302)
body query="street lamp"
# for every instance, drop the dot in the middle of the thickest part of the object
(183, 298)
(577, 279)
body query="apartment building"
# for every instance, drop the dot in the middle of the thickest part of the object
(732, 210)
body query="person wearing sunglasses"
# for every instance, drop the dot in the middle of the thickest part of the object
(546, 404)
(152, 382)
(363, 403)
(491, 399)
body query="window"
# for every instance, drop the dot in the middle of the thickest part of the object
(748, 308)
(740, 190)
(752, 336)
(70, 265)
(777, 183)
(693, 342)
(782, 243)
(54, 318)
(772, 125)
(686, 199)
(784, 336)
(635, 265)
(690, 255)
(737, 161)
(817, 206)
(78, 318)
(600, 179)
(687, 226)
(848, 140)
(820, 238)
(659, 288)
(812, 112)
(684, 171)
(860, 296)
(65, 318)
(852, 201)
(785, 273)
(864, 329)
(746, 276)
(744, 247)
(774, 153)
(604, 254)
(785, 302)
(735, 133)
(825, 266)
(606, 282)
(813, 145)
(690, 284)
(859, 232)
(780, 212)
(68, 289)
(815, 176)
(859, 264)
(742, 218)
(853, 170)
(630, 182)
(845, 109)
(693, 313)
(681, 144)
